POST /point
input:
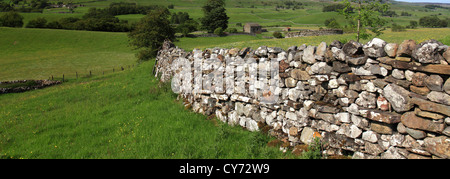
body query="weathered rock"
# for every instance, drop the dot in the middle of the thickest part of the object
(427, 52)
(308, 55)
(446, 86)
(356, 60)
(391, 49)
(439, 69)
(434, 82)
(283, 66)
(416, 134)
(409, 119)
(374, 48)
(392, 153)
(290, 82)
(382, 103)
(370, 136)
(430, 106)
(446, 55)
(343, 117)
(373, 149)
(384, 116)
(398, 97)
(348, 130)
(352, 48)
(426, 114)
(406, 48)
(293, 131)
(300, 74)
(321, 68)
(381, 128)
(321, 49)
(439, 97)
(341, 67)
(307, 136)
(366, 99)
(398, 74)
(419, 90)
(439, 146)
(418, 79)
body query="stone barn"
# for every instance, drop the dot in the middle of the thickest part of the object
(252, 28)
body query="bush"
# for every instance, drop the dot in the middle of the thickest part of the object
(277, 35)
(218, 31)
(39, 22)
(231, 30)
(332, 23)
(432, 21)
(397, 28)
(11, 19)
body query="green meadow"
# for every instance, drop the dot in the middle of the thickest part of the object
(128, 114)
(40, 53)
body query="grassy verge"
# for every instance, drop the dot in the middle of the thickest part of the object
(120, 115)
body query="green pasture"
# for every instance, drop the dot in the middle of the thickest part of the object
(39, 53)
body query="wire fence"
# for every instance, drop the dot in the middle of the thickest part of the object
(65, 77)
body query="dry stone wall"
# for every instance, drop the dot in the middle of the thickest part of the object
(307, 32)
(373, 100)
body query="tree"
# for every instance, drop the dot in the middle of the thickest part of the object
(432, 21)
(214, 15)
(367, 14)
(332, 23)
(39, 22)
(11, 19)
(150, 32)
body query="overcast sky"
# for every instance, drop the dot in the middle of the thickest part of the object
(439, 1)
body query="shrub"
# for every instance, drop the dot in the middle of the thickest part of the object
(231, 30)
(218, 31)
(397, 28)
(277, 35)
(39, 22)
(11, 19)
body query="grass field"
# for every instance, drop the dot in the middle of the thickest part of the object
(40, 53)
(120, 115)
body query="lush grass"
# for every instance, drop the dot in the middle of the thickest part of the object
(40, 53)
(120, 115)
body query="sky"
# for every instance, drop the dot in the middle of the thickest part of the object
(438, 1)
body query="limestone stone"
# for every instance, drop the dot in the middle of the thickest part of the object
(373, 149)
(427, 52)
(307, 136)
(419, 90)
(374, 48)
(352, 48)
(381, 128)
(290, 82)
(431, 106)
(416, 134)
(397, 97)
(439, 97)
(446, 86)
(406, 48)
(398, 74)
(418, 79)
(370, 136)
(321, 49)
(300, 74)
(308, 55)
(391, 49)
(446, 55)
(434, 82)
(409, 119)
(439, 146)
